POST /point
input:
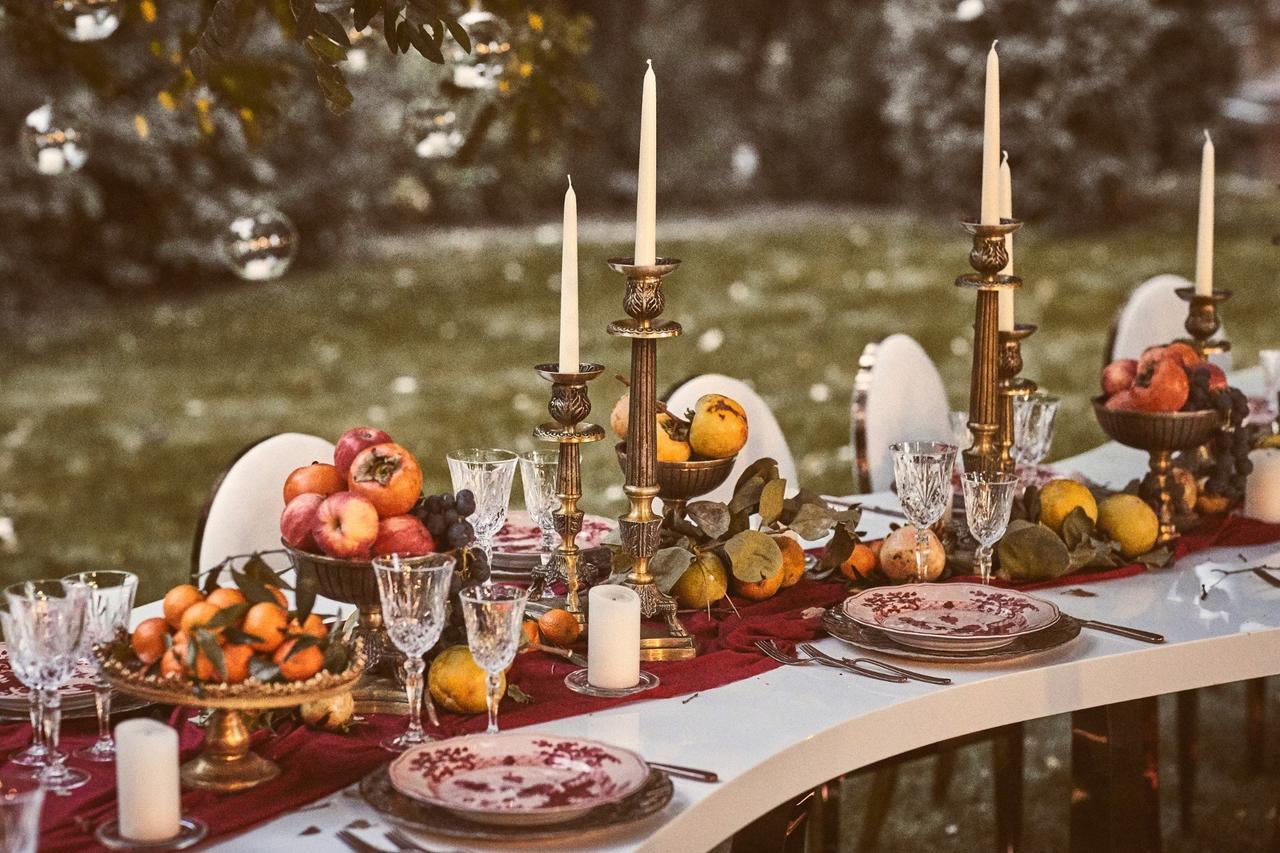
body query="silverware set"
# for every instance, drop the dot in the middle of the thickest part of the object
(403, 843)
(860, 666)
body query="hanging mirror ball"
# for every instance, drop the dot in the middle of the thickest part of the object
(259, 245)
(490, 44)
(51, 144)
(85, 20)
(432, 129)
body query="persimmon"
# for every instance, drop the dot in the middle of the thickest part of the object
(388, 476)
(225, 596)
(267, 622)
(176, 602)
(861, 563)
(299, 665)
(758, 590)
(318, 478)
(150, 640)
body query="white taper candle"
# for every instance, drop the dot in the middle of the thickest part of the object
(1005, 317)
(569, 284)
(991, 142)
(1204, 237)
(647, 183)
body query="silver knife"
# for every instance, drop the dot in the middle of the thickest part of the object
(1123, 631)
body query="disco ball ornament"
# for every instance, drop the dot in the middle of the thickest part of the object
(490, 47)
(432, 129)
(259, 245)
(85, 20)
(51, 144)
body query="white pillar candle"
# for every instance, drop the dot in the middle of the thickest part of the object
(147, 783)
(569, 284)
(613, 637)
(1262, 488)
(1006, 212)
(1204, 236)
(991, 142)
(647, 183)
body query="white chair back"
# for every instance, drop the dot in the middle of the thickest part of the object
(764, 436)
(898, 395)
(1154, 314)
(243, 513)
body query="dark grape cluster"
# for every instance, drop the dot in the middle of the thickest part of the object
(445, 517)
(1230, 450)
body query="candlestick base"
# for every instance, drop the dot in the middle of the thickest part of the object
(191, 831)
(1203, 321)
(577, 682)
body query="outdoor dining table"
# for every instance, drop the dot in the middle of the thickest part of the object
(773, 736)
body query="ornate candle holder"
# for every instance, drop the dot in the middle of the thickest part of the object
(569, 405)
(1202, 320)
(643, 303)
(988, 257)
(1011, 387)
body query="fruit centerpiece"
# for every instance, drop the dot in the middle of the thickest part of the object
(368, 503)
(1172, 400)
(233, 649)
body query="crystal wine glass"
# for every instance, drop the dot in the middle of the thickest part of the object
(45, 630)
(988, 500)
(107, 612)
(922, 472)
(413, 592)
(20, 802)
(487, 472)
(1033, 420)
(36, 754)
(538, 473)
(1270, 361)
(493, 615)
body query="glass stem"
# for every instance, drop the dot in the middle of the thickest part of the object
(548, 544)
(413, 667)
(102, 702)
(492, 698)
(51, 723)
(982, 562)
(36, 708)
(922, 557)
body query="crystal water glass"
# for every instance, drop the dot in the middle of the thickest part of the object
(988, 500)
(36, 754)
(922, 473)
(539, 470)
(20, 803)
(414, 592)
(1270, 361)
(107, 612)
(488, 473)
(1034, 417)
(44, 629)
(493, 615)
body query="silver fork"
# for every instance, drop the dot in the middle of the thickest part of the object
(814, 651)
(357, 843)
(404, 842)
(768, 647)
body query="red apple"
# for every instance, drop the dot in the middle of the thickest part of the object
(1121, 401)
(387, 475)
(350, 445)
(1167, 390)
(298, 521)
(1217, 379)
(346, 525)
(404, 535)
(1119, 375)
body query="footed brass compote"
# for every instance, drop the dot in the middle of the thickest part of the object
(1161, 434)
(681, 482)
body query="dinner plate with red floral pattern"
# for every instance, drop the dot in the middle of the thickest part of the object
(951, 615)
(14, 694)
(518, 778)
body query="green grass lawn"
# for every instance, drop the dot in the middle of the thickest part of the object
(117, 419)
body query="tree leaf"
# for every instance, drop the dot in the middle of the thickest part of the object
(233, 634)
(209, 645)
(712, 517)
(764, 468)
(426, 46)
(257, 567)
(746, 495)
(1077, 528)
(668, 565)
(211, 579)
(517, 695)
(753, 556)
(305, 595)
(1032, 552)
(263, 670)
(813, 521)
(336, 657)
(331, 28)
(362, 13)
(771, 497)
(459, 34)
(838, 549)
(254, 590)
(228, 616)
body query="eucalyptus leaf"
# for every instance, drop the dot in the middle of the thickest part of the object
(1032, 552)
(1157, 558)
(1077, 529)
(764, 468)
(747, 495)
(668, 565)
(753, 556)
(712, 517)
(813, 521)
(1031, 503)
(515, 694)
(838, 549)
(771, 497)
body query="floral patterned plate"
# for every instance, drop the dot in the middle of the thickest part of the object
(518, 778)
(943, 616)
(517, 546)
(13, 693)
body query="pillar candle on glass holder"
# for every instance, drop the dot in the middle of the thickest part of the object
(148, 787)
(1262, 488)
(613, 637)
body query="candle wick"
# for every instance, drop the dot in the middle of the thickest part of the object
(993, 45)
(1206, 136)
(650, 62)
(1004, 157)
(570, 177)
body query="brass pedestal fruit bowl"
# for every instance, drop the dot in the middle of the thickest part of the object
(1160, 434)
(681, 482)
(227, 764)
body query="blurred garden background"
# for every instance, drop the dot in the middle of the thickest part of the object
(814, 158)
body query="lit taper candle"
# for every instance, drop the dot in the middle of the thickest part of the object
(647, 184)
(991, 142)
(1006, 212)
(569, 284)
(1204, 238)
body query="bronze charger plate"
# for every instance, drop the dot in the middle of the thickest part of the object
(1061, 632)
(377, 790)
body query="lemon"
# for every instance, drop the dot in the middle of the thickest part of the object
(1130, 523)
(1059, 497)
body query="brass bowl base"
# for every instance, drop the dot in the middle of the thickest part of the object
(378, 694)
(228, 775)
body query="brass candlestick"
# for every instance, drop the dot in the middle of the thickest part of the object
(1011, 387)
(569, 405)
(1203, 321)
(988, 257)
(643, 303)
